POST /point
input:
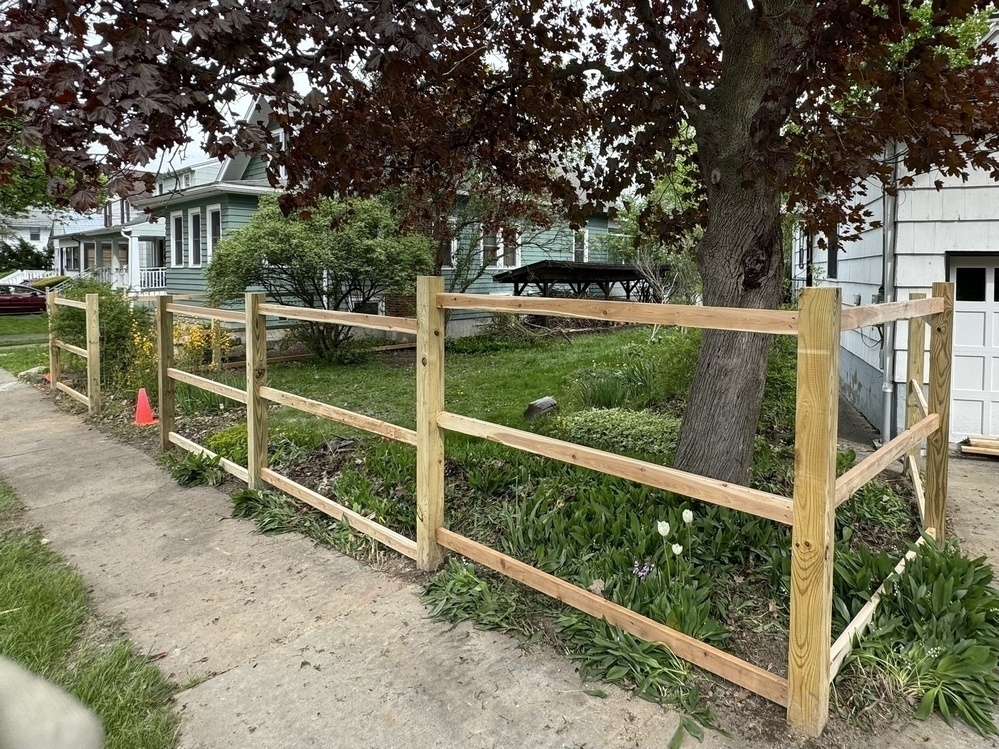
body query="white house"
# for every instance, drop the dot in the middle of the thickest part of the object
(927, 235)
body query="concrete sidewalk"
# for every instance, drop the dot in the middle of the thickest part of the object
(299, 646)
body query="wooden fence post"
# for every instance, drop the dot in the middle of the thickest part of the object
(256, 377)
(937, 444)
(94, 352)
(54, 363)
(164, 361)
(914, 371)
(429, 436)
(814, 509)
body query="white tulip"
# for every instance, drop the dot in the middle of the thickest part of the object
(677, 549)
(688, 517)
(663, 527)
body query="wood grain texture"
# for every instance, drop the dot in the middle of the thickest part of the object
(917, 487)
(429, 435)
(368, 527)
(94, 352)
(62, 302)
(256, 378)
(883, 457)
(62, 387)
(193, 447)
(55, 368)
(164, 363)
(876, 314)
(753, 501)
(206, 313)
(219, 388)
(915, 375)
(352, 319)
(812, 534)
(778, 322)
(71, 348)
(340, 415)
(755, 679)
(937, 445)
(844, 643)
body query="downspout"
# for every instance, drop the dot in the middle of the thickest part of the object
(890, 238)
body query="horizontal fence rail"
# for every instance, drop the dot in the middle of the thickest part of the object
(193, 447)
(219, 388)
(753, 501)
(777, 322)
(335, 317)
(71, 348)
(876, 462)
(69, 303)
(875, 314)
(736, 670)
(207, 313)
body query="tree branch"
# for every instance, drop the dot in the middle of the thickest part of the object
(688, 97)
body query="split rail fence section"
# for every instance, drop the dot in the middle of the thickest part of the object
(818, 323)
(92, 353)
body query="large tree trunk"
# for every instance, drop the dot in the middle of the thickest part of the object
(740, 258)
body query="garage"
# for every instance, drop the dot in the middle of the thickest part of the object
(975, 376)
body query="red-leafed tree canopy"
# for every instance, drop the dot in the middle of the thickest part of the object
(777, 102)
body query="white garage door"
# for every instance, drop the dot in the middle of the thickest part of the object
(976, 347)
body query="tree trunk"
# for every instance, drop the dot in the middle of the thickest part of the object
(740, 258)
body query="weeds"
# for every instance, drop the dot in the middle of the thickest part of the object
(194, 469)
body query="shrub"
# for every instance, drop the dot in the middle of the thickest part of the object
(638, 434)
(47, 282)
(195, 342)
(128, 353)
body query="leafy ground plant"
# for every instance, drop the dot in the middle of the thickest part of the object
(47, 627)
(193, 469)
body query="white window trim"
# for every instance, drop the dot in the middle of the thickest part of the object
(500, 251)
(586, 244)
(190, 239)
(208, 251)
(174, 234)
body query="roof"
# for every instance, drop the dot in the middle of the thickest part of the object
(139, 227)
(239, 187)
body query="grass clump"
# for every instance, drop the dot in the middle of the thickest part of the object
(638, 434)
(47, 627)
(20, 359)
(195, 469)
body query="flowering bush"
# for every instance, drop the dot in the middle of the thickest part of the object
(199, 344)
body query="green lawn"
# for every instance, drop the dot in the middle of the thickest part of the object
(47, 626)
(23, 324)
(22, 358)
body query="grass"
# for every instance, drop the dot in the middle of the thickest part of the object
(19, 359)
(48, 627)
(24, 324)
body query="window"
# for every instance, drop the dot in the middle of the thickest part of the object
(832, 247)
(124, 211)
(214, 230)
(499, 251)
(71, 258)
(159, 188)
(177, 257)
(581, 245)
(995, 287)
(35, 235)
(89, 255)
(187, 180)
(105, 254)
(108, 214)
(970, 284)
(194, 224)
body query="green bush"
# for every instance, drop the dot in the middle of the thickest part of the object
(47, 282)
(193, 469)
(126, 334)
(638, 434)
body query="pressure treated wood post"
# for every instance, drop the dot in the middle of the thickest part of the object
(164, 361)
(937, 444)
(94, 352)
(814, 509)
(429, 436)
(914, 371)
(256, 377)
(54, 363)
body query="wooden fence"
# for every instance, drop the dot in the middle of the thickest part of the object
(92, 353)
(818, 323)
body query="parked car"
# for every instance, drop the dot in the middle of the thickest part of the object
(21, 300)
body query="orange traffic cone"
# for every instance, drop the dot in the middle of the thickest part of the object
(143, 413)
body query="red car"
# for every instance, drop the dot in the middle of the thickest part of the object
(21, 300)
